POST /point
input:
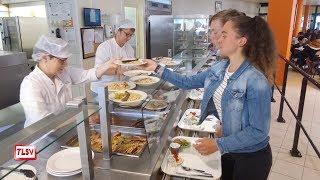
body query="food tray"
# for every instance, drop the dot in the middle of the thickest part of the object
(206, 126)
(96, 129)
(191, 158)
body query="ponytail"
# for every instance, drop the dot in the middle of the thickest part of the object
(260, 48)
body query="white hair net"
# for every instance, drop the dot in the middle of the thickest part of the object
(49, 45)
(125, 24)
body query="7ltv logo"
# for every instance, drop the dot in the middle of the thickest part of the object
(25, 152)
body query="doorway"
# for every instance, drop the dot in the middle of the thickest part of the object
(134, 11)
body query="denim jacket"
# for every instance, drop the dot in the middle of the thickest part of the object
(246, 104)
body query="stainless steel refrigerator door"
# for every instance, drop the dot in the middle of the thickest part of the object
(13, 68)
(11, 36)
(161, 35)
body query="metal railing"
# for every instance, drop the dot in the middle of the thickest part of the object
(298, 116)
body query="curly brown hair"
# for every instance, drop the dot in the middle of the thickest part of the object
(260, 48)
(225, 15)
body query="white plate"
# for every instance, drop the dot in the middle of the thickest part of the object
(130, 84)
(133, 73)
(193, 159)
(64, 174)
(138, 63)
(16, 175)
(196, 94)
(129, 103)
(206, 126)
(65, 161)
(154, 80)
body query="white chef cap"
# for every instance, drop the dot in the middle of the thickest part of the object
(125, 24)
(50, 45)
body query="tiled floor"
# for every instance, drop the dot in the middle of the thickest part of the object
(286, 167)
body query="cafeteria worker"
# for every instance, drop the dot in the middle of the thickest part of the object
(47, 88)
(116, 47)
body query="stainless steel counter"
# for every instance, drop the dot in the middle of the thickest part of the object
(148, 165)
(13, 68)
(119, 167)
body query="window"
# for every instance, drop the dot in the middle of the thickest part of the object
(317, 26)
(4, 11)
(162, 1)
(154, 4)
(28, 11)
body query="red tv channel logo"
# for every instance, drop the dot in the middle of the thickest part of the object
(25, 152)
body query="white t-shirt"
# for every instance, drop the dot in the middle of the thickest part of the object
(107, 50)
(217, 95)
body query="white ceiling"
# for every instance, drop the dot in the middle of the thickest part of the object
(311, 2)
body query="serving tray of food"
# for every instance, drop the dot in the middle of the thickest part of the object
(189, 121)
(186, 161)
(122, 143)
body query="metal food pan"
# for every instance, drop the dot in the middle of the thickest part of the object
(96, 128)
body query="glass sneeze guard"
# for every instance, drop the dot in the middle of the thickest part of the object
(44, 134)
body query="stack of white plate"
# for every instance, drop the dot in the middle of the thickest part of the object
(65, 163)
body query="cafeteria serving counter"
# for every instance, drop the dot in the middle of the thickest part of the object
(54, 131)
